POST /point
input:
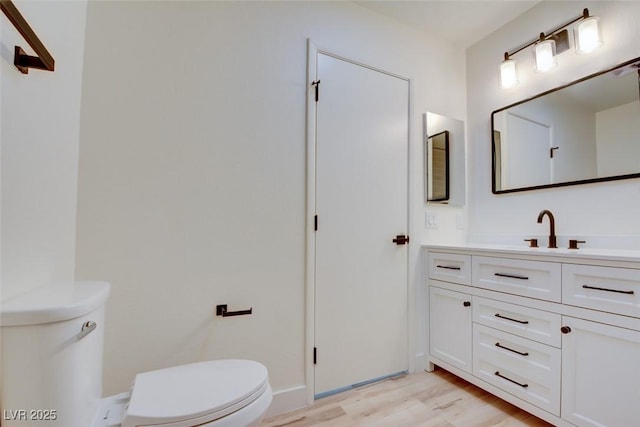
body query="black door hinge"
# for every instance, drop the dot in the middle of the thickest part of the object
(316, 84)
(315, 223)
(315, 355)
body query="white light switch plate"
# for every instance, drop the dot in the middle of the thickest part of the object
(430, 220)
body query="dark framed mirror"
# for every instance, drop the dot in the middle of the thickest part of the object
(583, 132)
(450, 188)
(437, 161)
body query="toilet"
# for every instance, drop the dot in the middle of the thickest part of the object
(52, 342)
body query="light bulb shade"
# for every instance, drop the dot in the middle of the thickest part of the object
(508, 73)
(587, 35)
(545, 55)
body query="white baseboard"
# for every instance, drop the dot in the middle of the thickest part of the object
(296, 397)
(420, 362)
(287, 400)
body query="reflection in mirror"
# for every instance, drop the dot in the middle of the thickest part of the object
(444, 184)
(438, 169)
(586, 131)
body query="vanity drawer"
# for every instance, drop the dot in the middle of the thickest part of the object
(535, 279)
(524, 368)
(610, 289)
(450, 267)
(536, 325)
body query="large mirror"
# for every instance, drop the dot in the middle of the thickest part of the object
(444, 160)
(586, 131)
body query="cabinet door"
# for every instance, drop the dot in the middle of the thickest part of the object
(600, 375)
(450, 327)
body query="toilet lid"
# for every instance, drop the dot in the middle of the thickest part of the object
(204, 391)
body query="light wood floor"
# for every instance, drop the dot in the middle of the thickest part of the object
(437, 399)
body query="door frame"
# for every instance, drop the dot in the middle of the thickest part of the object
(311, 174)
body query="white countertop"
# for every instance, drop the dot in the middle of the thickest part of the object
(582, 253)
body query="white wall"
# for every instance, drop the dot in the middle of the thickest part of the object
(40, 138)
(617, 130)
(602, 209)
(192, 170)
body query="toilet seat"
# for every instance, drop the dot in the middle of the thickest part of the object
(194, 394)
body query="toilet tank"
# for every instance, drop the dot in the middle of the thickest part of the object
(51, 361)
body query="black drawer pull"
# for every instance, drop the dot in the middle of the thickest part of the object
(607, 290)
(523, 322)
(448, 267)
(511, 276)
(509, 379)
(510, 349)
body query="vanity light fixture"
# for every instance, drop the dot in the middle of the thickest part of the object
(587, 33)
(587, 38)
(545, 52)
(508, 72)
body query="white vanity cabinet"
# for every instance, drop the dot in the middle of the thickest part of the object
(555, 333)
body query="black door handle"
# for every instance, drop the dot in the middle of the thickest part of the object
(401, 239)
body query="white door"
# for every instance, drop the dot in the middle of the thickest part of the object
(361, 202)
(527, 154)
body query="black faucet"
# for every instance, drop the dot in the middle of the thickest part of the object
(552, 227)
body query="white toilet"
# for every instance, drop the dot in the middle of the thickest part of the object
(52, 341)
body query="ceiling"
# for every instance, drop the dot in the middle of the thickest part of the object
(461, 22)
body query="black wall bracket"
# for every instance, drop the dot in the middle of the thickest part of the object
(43, 60)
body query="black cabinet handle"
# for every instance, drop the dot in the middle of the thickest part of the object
(221, 310)
(448, 267)
(523, 322)
(509, 379)
(607, 290)
(467, 304)
(510, 349)
(565, 329)
(511, 276)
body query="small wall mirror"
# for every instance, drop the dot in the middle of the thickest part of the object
(585, 131)
(444, 160)
(438, 170)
